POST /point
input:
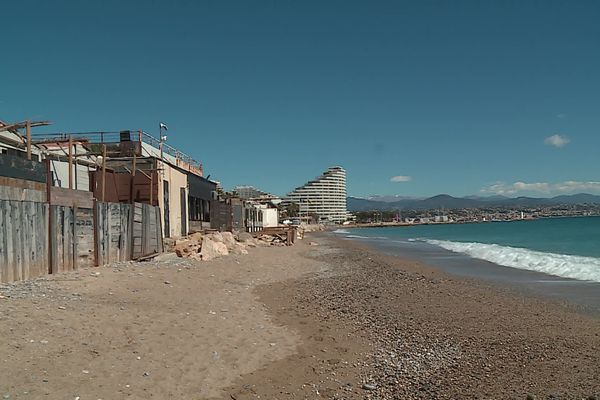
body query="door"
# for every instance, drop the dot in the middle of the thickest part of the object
(184, 220)
(167, 209)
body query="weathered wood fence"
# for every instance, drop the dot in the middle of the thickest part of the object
(127, 231)
(24, 241)
(37, 238)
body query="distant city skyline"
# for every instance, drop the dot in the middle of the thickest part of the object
(411, 98)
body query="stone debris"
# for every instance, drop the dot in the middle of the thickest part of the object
(211, 245)
(212, 248)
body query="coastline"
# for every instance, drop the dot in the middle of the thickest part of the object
(581, 293)
(326, 318)
(397, 328)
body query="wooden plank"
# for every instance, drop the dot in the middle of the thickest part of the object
(75, 241)
(70, 197)
(41, 229)
(10, 236)
(3, 244)
(57, 235)
(28, 242)
(99, 220)
(20, 244)
(84, 237)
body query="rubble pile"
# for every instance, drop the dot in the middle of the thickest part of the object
(211, 245)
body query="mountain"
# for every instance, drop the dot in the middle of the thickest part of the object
(444, 201)
(392, 199)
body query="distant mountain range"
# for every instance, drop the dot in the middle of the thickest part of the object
(386, 203)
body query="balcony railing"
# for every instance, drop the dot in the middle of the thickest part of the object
(116, 141)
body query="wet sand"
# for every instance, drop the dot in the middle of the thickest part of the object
(583, 293)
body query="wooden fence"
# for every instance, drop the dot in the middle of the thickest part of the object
(23, 240)
(127, 231)
(37, 238)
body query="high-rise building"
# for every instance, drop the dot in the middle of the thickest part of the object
(250, 192)
(324, 196)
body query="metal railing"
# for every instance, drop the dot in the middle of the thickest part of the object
(113, 137)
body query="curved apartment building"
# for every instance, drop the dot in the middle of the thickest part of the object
(324, 196)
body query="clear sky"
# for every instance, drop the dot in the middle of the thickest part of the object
(457, 97)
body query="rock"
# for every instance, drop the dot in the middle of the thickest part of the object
(212, 249)
(169, 244)
(313, 243)
(185, 248)
(167, 282)
(197, 237)
(530, 397)
(228, 239)
(369, 386)
(244, 237)
(216, 236)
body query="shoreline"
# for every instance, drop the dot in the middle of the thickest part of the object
(326, 318)
(580, 293)
(408, 224)
(416, 332)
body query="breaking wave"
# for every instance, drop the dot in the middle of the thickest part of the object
(341, 231)
(575, 267)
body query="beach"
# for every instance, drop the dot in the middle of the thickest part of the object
(326, 318)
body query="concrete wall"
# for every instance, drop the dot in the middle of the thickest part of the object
(176, 180)
(270, 217)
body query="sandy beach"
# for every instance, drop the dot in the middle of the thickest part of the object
(334, 320)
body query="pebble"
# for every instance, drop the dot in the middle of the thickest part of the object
(368, 386)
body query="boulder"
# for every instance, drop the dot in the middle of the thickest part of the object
(216, 236)
(184, 248)
(229, 240)
(196, 237)
(212, 249)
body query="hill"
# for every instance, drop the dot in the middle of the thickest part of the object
(449, 202)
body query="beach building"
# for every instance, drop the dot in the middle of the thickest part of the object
(132, 167)
(323, 198)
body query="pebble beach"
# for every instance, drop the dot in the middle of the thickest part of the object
(325, 318)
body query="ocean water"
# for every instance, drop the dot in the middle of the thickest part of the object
(560, 247)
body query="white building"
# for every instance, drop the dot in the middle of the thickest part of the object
(325, 196)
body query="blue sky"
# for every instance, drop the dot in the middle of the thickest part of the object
(453, 97)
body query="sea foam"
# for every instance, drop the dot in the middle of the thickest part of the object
(341, 231)
(567, 266)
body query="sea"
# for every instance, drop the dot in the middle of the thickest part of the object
(555, 257)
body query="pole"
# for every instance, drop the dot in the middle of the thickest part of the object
(103, 171)
(28, 134)
(131, 188)
(70, 162)
(48, 200)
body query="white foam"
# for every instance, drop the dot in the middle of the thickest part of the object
(566, 266)
(342, 231)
